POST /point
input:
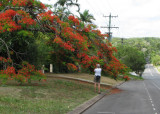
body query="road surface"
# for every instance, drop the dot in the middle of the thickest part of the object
(137, 97)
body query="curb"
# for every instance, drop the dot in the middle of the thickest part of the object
(83, 107)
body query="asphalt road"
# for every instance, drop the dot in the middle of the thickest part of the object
(137, 97)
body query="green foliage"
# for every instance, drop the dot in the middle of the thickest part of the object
(156, 60)
(149, 46)
(3, 78)
(38, 51)
(27, 46)
(132, 57)
(25, 33)
(86, 17)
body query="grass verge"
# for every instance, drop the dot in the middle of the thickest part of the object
(56, 96)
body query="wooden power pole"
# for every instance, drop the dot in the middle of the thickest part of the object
(109, 26)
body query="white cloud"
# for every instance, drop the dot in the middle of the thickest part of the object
(136, 18)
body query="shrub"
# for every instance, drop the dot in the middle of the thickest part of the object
(3, 78)
(26, 74)
(30, 73)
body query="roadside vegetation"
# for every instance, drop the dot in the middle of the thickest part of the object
(56, 96)
(42, 34)
(136, 52)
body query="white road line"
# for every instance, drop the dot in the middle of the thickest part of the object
(149, 97)
(147, 91)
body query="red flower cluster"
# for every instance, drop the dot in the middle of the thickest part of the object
(25, 74)
(4, 60)
(71, 67)
(26, 19)
(48, 16)
(115, 67)
(9, 71)
(58, 40)
(26, 70)
(22, 3)
(68, 46)
(6, 22)
(43, 6)
(114, 49)
(19, 2)
(100, 54)
(98, 32)
(65, 45)
(106, 35)
(74, 20)
(86, 30)
(126, 78)
(87, 61)
(76, 39)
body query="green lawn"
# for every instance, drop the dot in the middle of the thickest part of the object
(56, 96)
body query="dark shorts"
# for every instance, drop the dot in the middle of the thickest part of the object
(97, 79)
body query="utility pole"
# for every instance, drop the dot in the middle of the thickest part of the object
(109, 26)
(122, 41)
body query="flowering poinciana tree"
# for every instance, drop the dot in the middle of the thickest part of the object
(74, 44)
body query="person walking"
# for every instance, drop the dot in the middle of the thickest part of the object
(97, 77)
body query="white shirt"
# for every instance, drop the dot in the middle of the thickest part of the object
(97, 71)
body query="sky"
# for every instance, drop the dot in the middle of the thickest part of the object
(136, 18)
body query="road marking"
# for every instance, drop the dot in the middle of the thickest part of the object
(147, 92)
(106, 112)
(149, 97)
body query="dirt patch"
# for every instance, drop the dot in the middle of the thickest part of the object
(115, 90)
(89, 77)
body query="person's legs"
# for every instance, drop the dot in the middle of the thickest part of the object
(99, 87)
(95, 86)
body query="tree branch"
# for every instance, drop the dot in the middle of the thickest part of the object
(6, 47)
